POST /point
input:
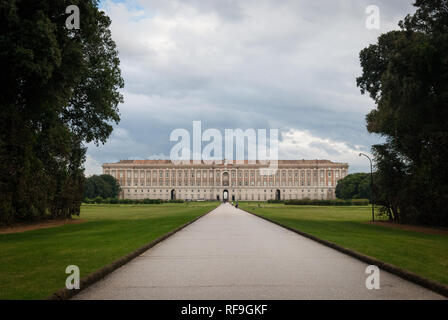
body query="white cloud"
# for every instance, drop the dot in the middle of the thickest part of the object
(158, 156)
(92, 166)
(301, 144)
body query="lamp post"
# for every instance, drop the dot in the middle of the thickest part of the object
(371, 185)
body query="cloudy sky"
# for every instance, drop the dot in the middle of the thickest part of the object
(284, 64)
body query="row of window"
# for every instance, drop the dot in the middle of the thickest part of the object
(210, 173)
(205, 191)
(233, 183)
(238, 197)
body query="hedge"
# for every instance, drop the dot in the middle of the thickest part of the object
(332, 202)
(99, 200)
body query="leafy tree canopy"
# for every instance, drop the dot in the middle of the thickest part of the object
(406, 74)
(354, 186)
(104, 186)
(60, 89)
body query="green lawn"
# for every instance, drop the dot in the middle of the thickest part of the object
(421, 253)
(32, 263)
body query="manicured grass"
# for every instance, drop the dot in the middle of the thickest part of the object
(32, 263)
(421, 253)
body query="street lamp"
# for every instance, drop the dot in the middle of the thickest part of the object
(371, 185)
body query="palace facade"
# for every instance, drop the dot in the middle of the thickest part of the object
(230, 181)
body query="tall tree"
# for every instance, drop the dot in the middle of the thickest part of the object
(60, 89)
(354, 186)
(406, 74)
(104, 186)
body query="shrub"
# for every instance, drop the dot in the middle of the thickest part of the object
(99, 200)
(328, 202)
(275, 201)
(360, 202)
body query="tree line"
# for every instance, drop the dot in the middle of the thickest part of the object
(103, 186)
(60, 90)
(354, 186)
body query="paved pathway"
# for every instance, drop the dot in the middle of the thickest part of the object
(230, 254)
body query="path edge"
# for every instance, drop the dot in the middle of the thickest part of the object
(402, 273)
(87, 281)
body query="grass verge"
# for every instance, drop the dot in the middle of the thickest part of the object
(32, 263)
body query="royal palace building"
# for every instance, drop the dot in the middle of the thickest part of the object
(162, 179)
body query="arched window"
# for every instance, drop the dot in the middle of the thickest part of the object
(225, 179)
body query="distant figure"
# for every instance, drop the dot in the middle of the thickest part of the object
(236, 205)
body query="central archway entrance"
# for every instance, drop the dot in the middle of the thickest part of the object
(225, 196)
(277, 194)
(173, 194)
